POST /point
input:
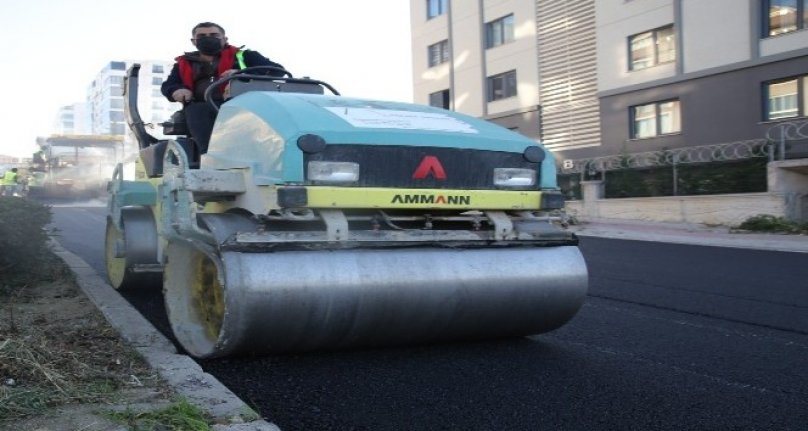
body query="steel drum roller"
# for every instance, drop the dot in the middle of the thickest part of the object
(304, 300)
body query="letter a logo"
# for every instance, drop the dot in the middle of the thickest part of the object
(429, 165)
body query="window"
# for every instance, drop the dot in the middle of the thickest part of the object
(117, 65)
(116, 103)
(157, 80)
(786, 98)
(117, 129)
(156, 93)
(502, 86)
(435, 8)
(440, 99)
(785, 16)
(652, 48)
(157, 68)
(438, 53)
(115, 116)
(499, 32)
(654, 119)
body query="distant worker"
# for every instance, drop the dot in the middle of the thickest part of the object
(194, 71)
(9, 183)
(39, 161)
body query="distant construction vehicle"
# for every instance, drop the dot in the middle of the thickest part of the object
(74, 166)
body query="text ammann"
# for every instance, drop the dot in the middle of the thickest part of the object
(431, 199)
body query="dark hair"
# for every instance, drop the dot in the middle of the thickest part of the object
(207, 24)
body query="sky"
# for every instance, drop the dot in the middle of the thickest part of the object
(55, 48)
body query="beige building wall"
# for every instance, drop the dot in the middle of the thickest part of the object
(784, 43)
(714, 33)
(467, 57)
(616, 20)
(520, 55)
(470, 62)
(425, 32)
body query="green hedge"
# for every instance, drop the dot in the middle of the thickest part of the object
(24, 253)
(746, 176)
(770, 223)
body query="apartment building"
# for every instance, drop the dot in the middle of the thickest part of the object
(73, 119)
(479, 58)
(106, 102)
(608, 77)
(676, 73)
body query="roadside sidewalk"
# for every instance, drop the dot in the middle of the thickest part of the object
(181, 373)
(685, 233)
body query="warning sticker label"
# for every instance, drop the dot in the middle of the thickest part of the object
(395, 119)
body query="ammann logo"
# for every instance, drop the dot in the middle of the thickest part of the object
(431, 199)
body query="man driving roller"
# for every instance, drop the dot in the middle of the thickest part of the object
(194, 71)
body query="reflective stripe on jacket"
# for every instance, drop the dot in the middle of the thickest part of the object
(10, 178)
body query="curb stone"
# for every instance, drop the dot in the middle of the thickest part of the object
(693, 234)
(179, 371)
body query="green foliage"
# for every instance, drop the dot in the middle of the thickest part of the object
(631, 183)
(729, 177)
(747, 176)
(770, 223)
(179, 416)
(23, 240)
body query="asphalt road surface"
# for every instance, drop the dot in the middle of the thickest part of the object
(671, 337)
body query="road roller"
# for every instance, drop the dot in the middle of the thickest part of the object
(316, 221)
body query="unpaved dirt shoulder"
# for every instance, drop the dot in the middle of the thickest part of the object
(182, 374)
(62, 364)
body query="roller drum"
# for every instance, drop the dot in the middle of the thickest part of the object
(136, 246)
(308, 300)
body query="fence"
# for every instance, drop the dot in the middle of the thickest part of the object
(765, 182)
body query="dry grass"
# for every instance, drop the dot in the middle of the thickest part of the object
(56, 349)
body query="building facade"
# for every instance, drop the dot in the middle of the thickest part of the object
(73, 119)
(479, 58)
(568, 83)
(106, 101)
(620, 76)
(694, 72)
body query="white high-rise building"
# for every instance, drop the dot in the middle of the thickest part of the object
(106, 101)
(73, 120)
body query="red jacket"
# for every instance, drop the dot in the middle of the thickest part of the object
(226, 60)
(181, 75)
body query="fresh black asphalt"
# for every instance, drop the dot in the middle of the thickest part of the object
(672, 337)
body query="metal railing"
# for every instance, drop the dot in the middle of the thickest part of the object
(772, 146)
(730, 151)
(782, 133)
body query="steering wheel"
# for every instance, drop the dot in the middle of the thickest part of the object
(247, 70)
(248, 73)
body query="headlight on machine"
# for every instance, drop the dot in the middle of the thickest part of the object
(333, 172)
(514, 177)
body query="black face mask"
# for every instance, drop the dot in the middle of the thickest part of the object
(209, 45)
